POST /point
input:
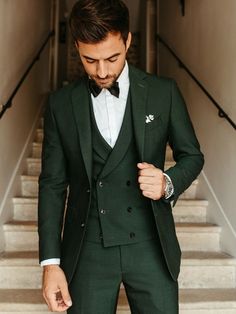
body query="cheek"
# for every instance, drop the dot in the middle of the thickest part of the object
(89, 68)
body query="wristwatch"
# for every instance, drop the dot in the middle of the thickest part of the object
(169, 189)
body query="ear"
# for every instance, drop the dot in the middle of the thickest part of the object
(128, 41)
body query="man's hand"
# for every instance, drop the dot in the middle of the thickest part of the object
(151, 181)
(55, 289)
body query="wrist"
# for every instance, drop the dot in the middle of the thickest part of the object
(51, 267)
(169, 188)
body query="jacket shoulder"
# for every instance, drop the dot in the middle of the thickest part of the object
(63, 95)
(152, 79)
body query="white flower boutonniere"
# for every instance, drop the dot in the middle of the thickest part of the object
(150, 118)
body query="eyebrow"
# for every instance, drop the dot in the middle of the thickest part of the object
(112, 56)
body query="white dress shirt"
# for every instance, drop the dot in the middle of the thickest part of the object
(109, 110)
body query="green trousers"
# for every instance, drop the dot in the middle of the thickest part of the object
(142, 269)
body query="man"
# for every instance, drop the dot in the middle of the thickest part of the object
(105, 139)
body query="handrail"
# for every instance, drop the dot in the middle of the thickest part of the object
(221, 113)
(8, 104)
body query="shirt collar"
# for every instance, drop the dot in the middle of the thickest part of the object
(123, 78)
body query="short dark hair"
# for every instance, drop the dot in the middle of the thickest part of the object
(91, 20)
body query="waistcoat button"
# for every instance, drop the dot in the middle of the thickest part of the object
(100, 184)
(132, 235)
(129, 209)
(88, 191)
(82, 225)
(102, 211)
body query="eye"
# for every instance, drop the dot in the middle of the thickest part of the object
(114, 59)
(90, 61)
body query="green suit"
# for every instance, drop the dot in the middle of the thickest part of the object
(67, 162)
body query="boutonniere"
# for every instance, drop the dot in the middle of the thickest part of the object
(150, 118)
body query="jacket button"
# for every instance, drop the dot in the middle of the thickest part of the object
(132, 235)
(102, 211)
(128, 183)
(129, 209)
(88, 191)
(100, 184)
(82, 225)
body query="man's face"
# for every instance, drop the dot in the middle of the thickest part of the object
(104, 61)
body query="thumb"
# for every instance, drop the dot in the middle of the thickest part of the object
(144, 165)
(65, 295)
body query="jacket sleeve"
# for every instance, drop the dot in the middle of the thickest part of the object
(52, 188)
(186, 149)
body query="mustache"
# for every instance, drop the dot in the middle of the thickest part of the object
(95, 77)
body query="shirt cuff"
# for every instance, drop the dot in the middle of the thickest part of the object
(50, 261)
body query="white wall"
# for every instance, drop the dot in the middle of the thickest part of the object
(23, 27)
(205, 40)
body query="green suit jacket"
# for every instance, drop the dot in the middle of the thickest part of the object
(67, 163)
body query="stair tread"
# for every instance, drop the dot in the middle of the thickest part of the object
(197, 226)
(29, 177)
(18, 258)
(188, 258)
(201, 298)
(25, 200)
(180, 226)
(196, 298)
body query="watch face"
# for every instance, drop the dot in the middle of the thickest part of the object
(169, 190)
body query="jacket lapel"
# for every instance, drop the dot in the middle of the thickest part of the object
(122, 143)
(81, 107)
(139, 91)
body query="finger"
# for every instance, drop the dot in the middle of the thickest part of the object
(147, 187)
(51, 301)
(149, 172)
(147, 180)
(153, 196)
(144, 165)
(66, 295)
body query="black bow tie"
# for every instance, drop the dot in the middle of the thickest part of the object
(96, 90)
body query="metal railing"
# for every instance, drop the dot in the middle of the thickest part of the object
(221, 112)
(8, 104)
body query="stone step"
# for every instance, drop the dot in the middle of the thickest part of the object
(196, 301)
(39, 135)
(25, 208)
(191, 301)
(184, 210)
(190, 210)
(36, 150)
(22, 236)
(29, 187)
(169, 156)
(198, 236)
(20, 270)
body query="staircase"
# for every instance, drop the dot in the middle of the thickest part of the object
(208, 276)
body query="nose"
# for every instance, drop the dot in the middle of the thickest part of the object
(102, 70)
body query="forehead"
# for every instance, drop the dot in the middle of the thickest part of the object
(112, 44)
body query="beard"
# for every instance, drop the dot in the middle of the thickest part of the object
(106, 82)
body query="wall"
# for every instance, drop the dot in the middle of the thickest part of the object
(23, 27)
(205, 40)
